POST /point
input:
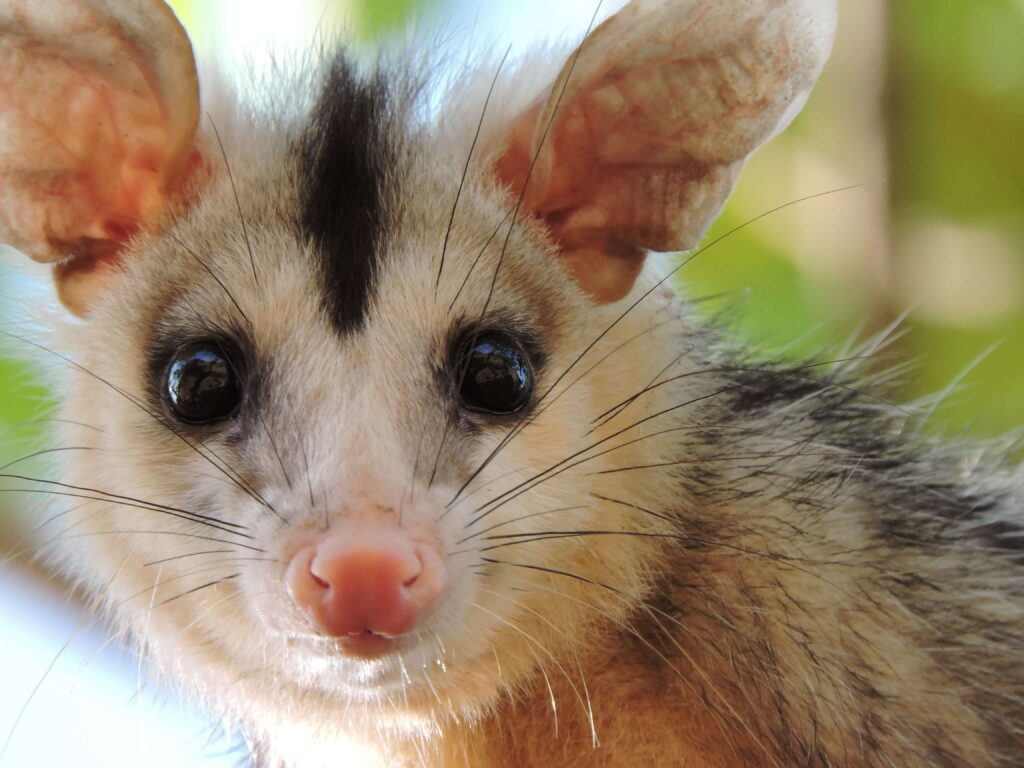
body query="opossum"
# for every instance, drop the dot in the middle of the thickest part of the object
(388, 434)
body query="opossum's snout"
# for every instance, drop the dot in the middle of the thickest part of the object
(366, 584)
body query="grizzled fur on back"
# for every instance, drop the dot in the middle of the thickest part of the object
(675, 555)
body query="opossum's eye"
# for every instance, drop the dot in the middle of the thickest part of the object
(202, 385)
(497, 376)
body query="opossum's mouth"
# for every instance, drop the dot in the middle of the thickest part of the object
(368, 645)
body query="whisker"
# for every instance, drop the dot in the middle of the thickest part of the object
(465, 171)
(238, 202)
(739, 458)
(583, 701)
(47, 452)
(277, 453)
(124, 504)
(305, 462)
(616, 410)
(517, 520)
(184, 557)
(542, 476)
(210, 271)
(99, 495)
(519, 203)
(411, 493)
(476, 261)
(540, 646)
(788, 561)
(182, 534)
(194, 590)
(794, 373)
(38, 422)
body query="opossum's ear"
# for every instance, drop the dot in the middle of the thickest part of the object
(641, 137)
(99, 104)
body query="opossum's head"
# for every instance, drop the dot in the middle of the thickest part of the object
(356, 382)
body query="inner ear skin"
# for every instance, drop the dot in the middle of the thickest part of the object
(604, 269)
(100, 104)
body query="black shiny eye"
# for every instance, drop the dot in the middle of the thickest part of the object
(202, 385)
(496, 374)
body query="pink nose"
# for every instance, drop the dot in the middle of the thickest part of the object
(366, 582)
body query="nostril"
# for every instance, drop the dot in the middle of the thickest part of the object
(366, 582)
(415, 571)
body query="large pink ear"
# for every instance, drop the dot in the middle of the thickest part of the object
(641, 138)
(99, 105)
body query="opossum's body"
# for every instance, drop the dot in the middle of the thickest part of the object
(670, 556)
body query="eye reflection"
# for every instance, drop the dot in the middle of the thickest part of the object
(497, 377)
(202, 386)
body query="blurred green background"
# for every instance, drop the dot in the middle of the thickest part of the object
(922, 105)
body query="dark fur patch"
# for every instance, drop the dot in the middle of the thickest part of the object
(346, 161)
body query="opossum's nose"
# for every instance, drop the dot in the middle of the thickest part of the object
(366, 586)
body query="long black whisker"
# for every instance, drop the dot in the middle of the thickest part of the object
(629, 505)
(789, 562)
(476, 261)
(185, 557)
(514, 520)
(238, 202)
(120, 497)
(560, 468)
(46, 452)
(440, 449)
(509, 435)
(615, 411)
(523, 424)
(793, 373)
(217, 279)
(739, 458)
(181, 534)
(552, 571)
(465, 171)
(192, 591)
(180, 516)
(411, 493)
(528, 484)
(37, 422)
(309, 474)
(277, 453)
(563, 466)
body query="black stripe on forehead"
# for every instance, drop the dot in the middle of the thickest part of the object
(345, 157)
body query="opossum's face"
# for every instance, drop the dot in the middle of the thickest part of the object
(359, 419)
